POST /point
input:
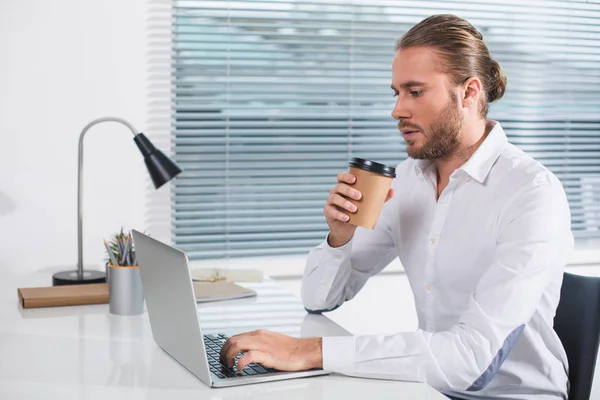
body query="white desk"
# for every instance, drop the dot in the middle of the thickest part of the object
(84, 352)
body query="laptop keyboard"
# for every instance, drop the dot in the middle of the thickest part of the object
(213, 344)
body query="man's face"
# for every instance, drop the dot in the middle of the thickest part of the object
(427, 106)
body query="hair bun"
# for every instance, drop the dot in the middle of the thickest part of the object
(497, 82)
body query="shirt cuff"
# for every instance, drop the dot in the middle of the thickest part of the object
(338, 353)
(342, 250)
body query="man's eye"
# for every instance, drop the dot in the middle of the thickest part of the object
(416, 93)
(395, 94)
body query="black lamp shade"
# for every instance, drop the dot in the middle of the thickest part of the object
(160, 167)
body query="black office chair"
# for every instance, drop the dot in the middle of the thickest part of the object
(577, 323)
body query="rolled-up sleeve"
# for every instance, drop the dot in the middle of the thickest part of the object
(534, 242)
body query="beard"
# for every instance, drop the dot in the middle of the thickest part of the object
(442, 135)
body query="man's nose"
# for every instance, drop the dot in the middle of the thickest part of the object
(400, 111)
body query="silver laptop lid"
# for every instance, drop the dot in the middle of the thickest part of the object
(171, 303)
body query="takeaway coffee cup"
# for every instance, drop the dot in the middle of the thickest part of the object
(373, 180)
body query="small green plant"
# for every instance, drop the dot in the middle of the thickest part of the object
(120, 250)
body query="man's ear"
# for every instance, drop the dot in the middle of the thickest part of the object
(473, 90)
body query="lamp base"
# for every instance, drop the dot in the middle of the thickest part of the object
(72, 278)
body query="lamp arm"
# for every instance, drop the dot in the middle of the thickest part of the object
(80, 185)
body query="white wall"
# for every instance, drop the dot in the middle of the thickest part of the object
(64, 63)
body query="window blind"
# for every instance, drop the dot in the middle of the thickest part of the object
(271, 98)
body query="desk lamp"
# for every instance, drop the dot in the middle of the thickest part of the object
(161, 170)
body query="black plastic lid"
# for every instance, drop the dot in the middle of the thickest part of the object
(372, 166)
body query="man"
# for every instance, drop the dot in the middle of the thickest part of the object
(482, 230)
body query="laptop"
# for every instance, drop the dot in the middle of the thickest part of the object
(171, 304)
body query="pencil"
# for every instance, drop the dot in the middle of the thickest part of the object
(110, 253)
(125, 251)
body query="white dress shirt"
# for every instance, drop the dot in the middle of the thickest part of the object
(485, 264)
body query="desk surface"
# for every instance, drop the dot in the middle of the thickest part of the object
(84, 352)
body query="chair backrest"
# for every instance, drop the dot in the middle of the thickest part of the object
(577, 323)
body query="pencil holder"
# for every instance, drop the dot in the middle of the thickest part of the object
(126, 293)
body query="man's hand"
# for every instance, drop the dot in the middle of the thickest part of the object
(338, 207)
(273, 350)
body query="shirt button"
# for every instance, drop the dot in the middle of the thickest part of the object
(428, 287)
(432, 240)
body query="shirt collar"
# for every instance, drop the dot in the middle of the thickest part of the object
(479, 165)
(422, 165)
(481, 162)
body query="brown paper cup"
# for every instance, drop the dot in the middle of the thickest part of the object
(374, 188)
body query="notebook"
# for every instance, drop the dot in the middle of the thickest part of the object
(220, 290)
(69, 295)
(231, 274)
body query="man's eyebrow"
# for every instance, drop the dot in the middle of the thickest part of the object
(409, 84)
